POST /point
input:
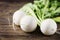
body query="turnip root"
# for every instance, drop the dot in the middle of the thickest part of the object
(28, 23)
(17, 16)
(48, 27)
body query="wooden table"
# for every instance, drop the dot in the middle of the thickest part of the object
(7, 31)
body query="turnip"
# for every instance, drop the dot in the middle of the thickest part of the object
(48, 27)
(17, 16)
(28, 23)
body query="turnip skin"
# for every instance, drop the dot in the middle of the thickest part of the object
(17, 16)
(28, 24)
(48, 27)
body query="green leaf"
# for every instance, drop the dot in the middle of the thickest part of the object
(57, 10)
(57, 19)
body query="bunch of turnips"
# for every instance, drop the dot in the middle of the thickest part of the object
(42, 13)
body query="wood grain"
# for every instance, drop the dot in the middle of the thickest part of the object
(8, 32)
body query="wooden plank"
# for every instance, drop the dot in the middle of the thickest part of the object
(7, 9)
(10, 30)
(7, 32)
(16, 30)
(5, 20)
(32, 38)
(17, 0)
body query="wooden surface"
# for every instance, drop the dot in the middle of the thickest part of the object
(8, 32)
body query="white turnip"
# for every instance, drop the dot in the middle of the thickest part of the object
(48, 27)
(17, 16)
(28, 23)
